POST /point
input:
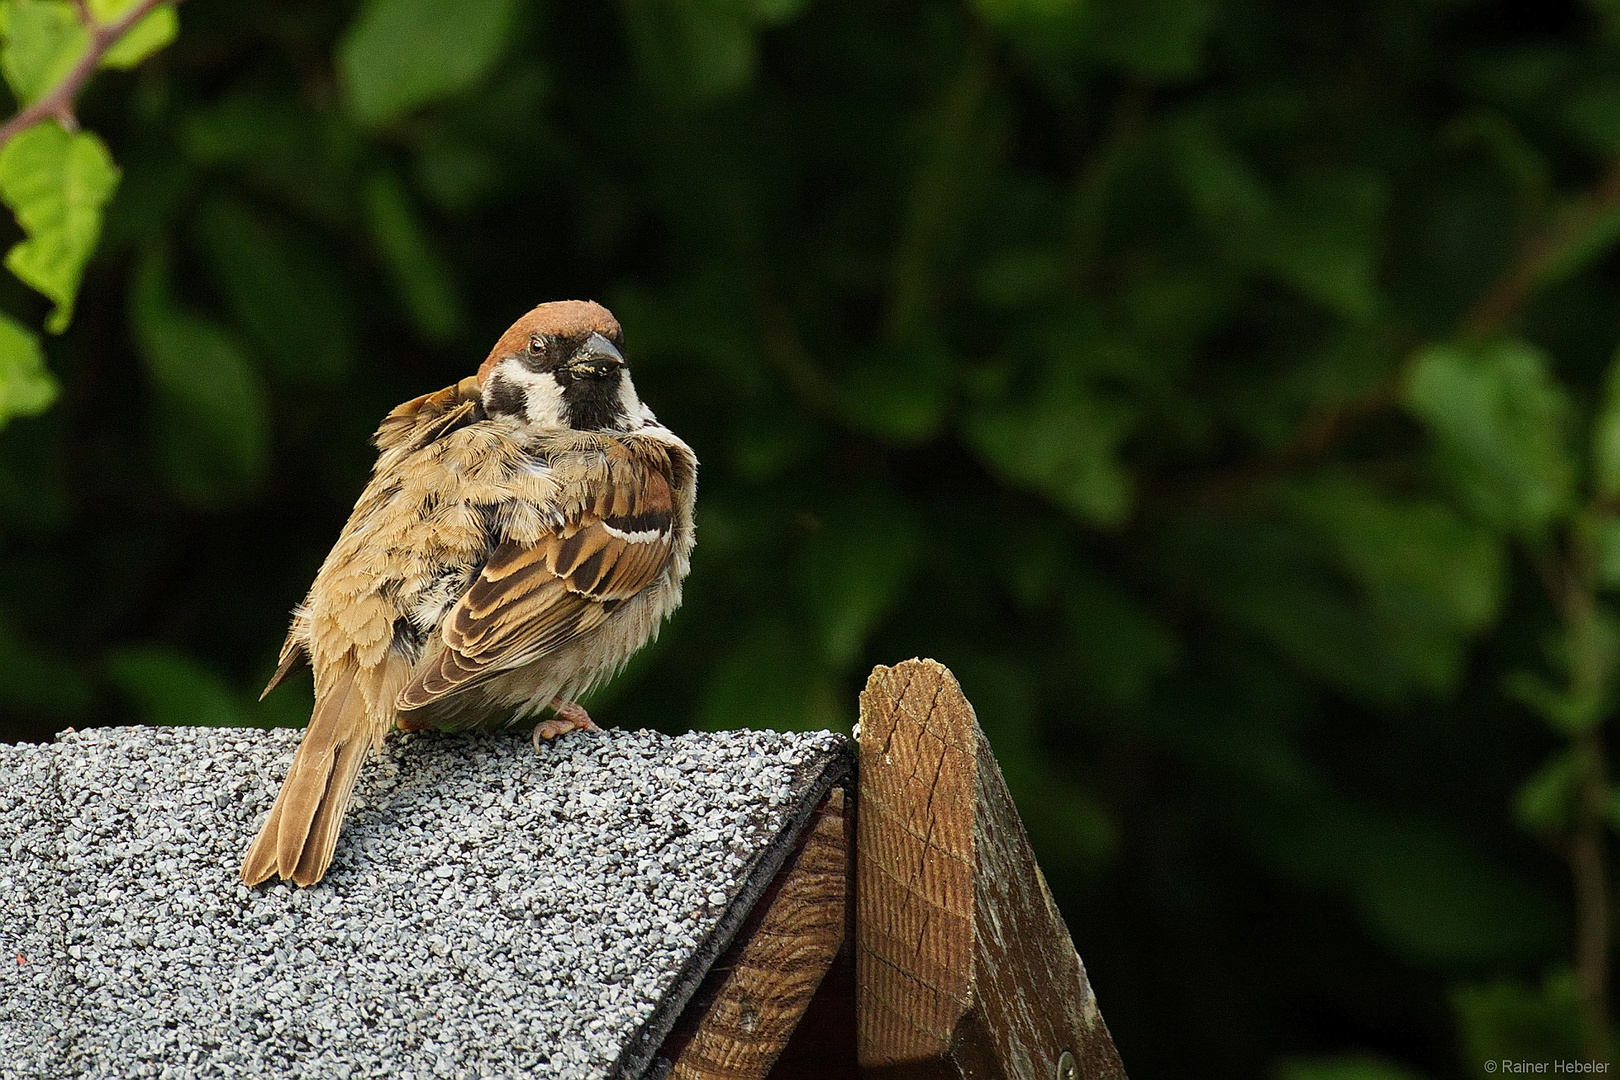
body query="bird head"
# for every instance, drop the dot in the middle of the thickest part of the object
(562, 366)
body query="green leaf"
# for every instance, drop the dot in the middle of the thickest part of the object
(1607, 535)
(425, 284)
(1497, 417)
(171, 688)
(1606, 438)
(1352, 1067)
(1563, 710)
(1430, 579)
(770, 679)
(1061, 440)
(1158, 39)
(57, 184)
(1428, 894)
(1321, 234)
(857, 563)
(399, 55)
(213, 427)
(898, 393)
(283, 290)
(26, 387)
(43, 40)
(1513, 1021)
(143, 39)
(1119, 643)
(1546, 802)
(698, 50)
(1325, 241)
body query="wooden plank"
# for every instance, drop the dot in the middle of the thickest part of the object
(742, 1016)
(964, 967)
(823, 1045)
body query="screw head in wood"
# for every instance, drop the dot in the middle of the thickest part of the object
(1066, 1067)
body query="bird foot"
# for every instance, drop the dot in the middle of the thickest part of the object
(569, 716)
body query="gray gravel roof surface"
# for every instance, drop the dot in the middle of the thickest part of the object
(490, 911)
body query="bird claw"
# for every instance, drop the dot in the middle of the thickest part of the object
(570, 716)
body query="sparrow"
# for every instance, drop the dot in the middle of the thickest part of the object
(523, 533)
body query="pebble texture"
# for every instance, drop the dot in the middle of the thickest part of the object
(490, 911)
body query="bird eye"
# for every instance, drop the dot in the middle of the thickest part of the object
(537, 344)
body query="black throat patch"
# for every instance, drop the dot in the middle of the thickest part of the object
(593, 402)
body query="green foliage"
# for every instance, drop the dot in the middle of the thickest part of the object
(1359, 1067)
(212, 429)
(1062, 441)
(43, 40)
(423, 282)
(171, 688)
(26, 388)
(155, 30)
(1509, 1020)
(1546, 802)
(57, 184)
(1498, 422)
(402, 54)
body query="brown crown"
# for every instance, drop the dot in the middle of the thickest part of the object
(565, 318)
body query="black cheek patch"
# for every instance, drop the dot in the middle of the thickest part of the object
(505, 397)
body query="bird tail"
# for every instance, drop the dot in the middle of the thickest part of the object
(351, 716)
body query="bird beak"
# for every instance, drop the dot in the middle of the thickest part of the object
(597, 356)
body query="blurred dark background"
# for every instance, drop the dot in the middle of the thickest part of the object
(1219, 387)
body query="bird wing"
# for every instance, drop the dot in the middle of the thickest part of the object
(531, 599)
(420, 420)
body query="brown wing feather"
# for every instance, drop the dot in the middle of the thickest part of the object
(532, 599)
(422, 419)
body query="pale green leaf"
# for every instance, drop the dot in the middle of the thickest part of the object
(43, 40)
(26, 387)
(141, 40)
(399, 55)
(1497, 417)
(57, 184)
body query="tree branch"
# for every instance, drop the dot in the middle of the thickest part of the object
(1320, 433)
(1539, 253)
(58, 103)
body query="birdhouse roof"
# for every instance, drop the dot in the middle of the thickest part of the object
(490, 911)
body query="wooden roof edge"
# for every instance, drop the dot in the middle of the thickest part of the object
(639, 1060)
(964, 966)
(911, 933)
